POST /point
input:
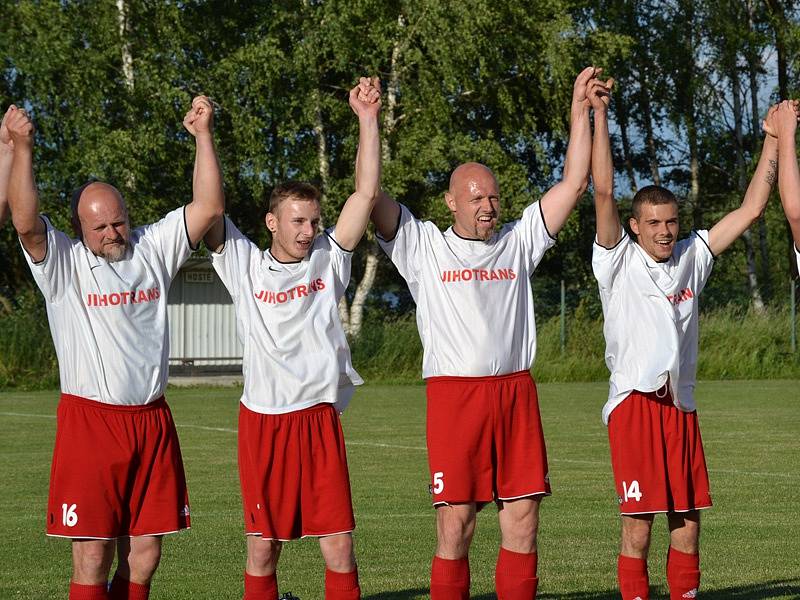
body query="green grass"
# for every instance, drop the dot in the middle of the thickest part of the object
(750, 541)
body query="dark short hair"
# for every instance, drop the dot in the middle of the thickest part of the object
(651, 194)
(294, 190)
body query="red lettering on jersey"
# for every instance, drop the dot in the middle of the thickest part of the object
(120, 298)
(480, 275)
(283, 296)
(682, 296)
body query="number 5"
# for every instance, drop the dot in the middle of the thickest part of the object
(438, 482)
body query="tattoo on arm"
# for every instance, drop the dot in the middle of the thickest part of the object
(772, 172)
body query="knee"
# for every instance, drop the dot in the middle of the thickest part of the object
(262, 556)
(91, 561)
(338, 553)
(636, 538)
(454, 531)
(143, 561)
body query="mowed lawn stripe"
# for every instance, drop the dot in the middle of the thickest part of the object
(750, 541)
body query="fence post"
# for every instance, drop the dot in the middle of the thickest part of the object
(563, 320)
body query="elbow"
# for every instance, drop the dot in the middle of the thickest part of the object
(580, 185)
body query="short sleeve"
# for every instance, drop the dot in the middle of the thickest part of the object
(703, 258)
(233, 261)
(341, 261)
(404, 249)
(608, 262)
(171, 239)
(533, 234)
(53, 274)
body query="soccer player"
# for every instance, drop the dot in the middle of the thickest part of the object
(117, 482)
(649, 288)
(6, 158)
(784, 121)
(475, 317)
(297, 368)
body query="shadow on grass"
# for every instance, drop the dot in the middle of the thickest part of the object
(780, 588)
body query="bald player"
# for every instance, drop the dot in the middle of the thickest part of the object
(297, 369)
(117, 483)
(6, 158)
(475, 317)
(784, 122)
(649, 288)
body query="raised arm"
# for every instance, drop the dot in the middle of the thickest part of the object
(609, 228)
(208, 199)
(365, 100)
(785, 121)
(6, 159)
(736, 222)
(23, 199)
(558, 202)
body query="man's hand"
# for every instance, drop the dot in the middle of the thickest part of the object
(784, 118)
(6, 144)
(599, 92)
(200, 118)
(580, 89)
(365, 98)
(19, 128)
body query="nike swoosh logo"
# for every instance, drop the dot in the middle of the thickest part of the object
(274, 269)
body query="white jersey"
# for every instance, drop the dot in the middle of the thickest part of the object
(797, 256)
(474, 302)
(109, 319)
(651, 313)
(287, 318)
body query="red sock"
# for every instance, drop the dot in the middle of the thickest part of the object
(450, 579)
(122, 589)
(515, 575)
(260, 587)
(683, 574)
(632, 577)
(78, 591)
(342, 586)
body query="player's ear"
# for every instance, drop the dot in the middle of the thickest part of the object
(271, 221)
(450, 201)
(634, 225)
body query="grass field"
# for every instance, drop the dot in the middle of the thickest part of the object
(750, 541)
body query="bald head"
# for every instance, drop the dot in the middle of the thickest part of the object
(100, 219)
(474, 200)
(471, 171)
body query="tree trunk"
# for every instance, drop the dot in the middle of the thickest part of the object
(649, 137)
(752, 278)
(622, 120)
(352, 319)
(127, 57)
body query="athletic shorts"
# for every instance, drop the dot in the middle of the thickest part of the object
(117, 471)
(485, 439)
(657, 456)
(293, 473)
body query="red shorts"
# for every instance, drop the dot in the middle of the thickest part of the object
(657, 456)
(117, 471)
(485, 439)
(293, 473)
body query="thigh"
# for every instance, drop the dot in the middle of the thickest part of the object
(459, 440)
(520, 449)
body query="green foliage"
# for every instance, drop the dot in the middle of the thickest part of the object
(27, 356)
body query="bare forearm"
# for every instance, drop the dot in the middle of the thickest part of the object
(789, 184)
(23, 198)
(368, 158)
(207, 178)
(579, 150)
(6, 160)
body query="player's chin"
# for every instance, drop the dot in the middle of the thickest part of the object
(485, 230)
(114, 252)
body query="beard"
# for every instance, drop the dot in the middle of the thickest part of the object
(115, 252)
